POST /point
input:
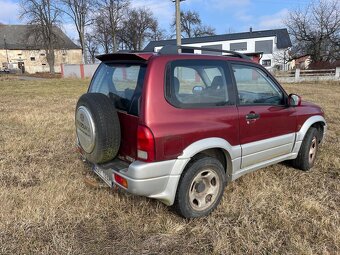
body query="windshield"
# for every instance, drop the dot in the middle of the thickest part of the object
(121, 82)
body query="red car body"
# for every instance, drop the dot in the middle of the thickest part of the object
(233, 110)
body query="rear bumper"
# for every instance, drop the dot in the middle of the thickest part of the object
(155, 180)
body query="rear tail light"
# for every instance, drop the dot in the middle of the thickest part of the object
(145, 144)
(121, 180)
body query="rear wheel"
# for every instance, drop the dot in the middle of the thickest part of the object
(308, 151)
(200, 188)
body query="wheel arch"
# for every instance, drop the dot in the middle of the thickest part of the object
(320, 126)
(318, 122)
(221, 155)
(215, 147)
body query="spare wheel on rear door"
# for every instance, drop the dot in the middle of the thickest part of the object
(97, 127)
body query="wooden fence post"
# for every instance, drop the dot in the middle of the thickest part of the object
(337, 72)
(62, 70)
(82, 73)
(297, 74)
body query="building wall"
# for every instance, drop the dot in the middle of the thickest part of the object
(274, 57)
(35, 60)
(78, 71)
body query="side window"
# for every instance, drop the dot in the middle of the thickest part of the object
(188, 78)
(255, 87)
(196, 83)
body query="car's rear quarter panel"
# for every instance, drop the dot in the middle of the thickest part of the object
(174, 129)
(129, 124)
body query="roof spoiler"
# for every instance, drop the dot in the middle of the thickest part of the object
(124, 55)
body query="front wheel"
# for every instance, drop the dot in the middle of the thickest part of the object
(308, 151)
(200, 188)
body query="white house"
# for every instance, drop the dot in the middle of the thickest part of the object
(268, 47)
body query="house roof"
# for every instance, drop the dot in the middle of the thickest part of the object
(18, 37)
(283, 40)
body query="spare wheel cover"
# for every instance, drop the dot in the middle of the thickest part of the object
(86, 129)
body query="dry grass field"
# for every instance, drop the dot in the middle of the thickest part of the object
(46, 207)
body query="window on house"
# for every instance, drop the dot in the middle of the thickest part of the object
(264, 46)
(217, 47)
(42, 54)
(32, 58)
(266, 62)
(188, 51)
(19, 54)
(43, 64)
(238, 46)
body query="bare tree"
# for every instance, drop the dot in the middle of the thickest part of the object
(102, 33)
(79, 11)
(137, 27)
(156, 33)
(316, 30)
(44, 16)
(282, 58)
(204, 30)
(112, 11)
(189, 21)
(191, 25)
(91, 45)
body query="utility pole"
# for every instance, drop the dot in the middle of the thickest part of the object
(178, 23)
(6, 50)
(284, 60)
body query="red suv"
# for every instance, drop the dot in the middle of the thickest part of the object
(179, 127)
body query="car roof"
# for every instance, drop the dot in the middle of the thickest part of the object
(173, 51)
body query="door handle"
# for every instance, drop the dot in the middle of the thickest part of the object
(252, 116)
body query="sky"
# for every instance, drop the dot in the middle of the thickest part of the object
(226, 16)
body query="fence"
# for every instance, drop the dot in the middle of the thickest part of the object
(78, 71)
(299, 75)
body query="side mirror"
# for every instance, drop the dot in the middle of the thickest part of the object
(294, 100)
(197, 90)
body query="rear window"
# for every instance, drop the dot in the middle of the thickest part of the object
(120, 82)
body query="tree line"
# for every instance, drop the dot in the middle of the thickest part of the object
(102, 25)
(111, 25)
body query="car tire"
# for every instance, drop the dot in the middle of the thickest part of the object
(200, 188)
(97, 127)
(308, 151)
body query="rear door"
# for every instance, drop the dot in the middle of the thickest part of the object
(122, 82)
(266, 124)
